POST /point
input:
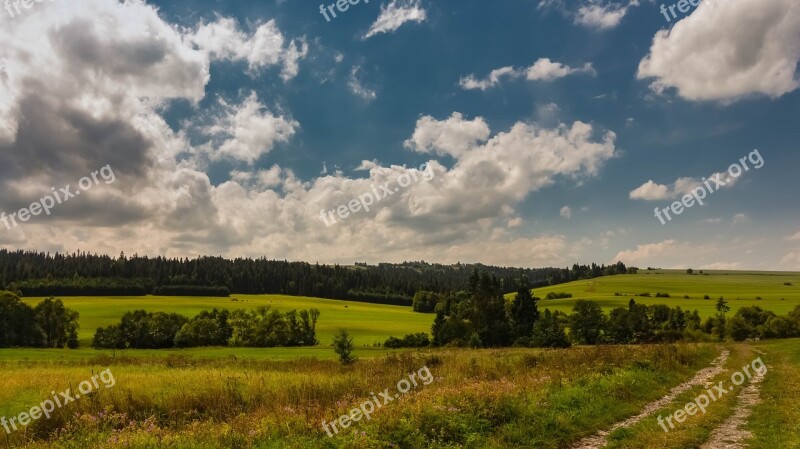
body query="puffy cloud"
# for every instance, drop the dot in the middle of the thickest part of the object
(602, 17)
(266, 47)
(566, 212)
(546, 70)
(394, 15)
(727, 50)
(795, 237)
(454, 136)
(469, 82)
(651, 191)
(647, 253)
(595, 14)
(247, 131)
(92, 93)
(542, 70)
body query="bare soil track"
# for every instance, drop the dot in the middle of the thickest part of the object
(702, 377)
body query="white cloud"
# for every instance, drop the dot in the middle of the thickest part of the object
(651, 191)
(740, 218)
(726, 50)
(645, 254)
(470, 82)
(542, 70)
(566, 212)
(223, 40)
(602, 17)
(453, 136)
(165, 203)
(358, 88)
(395, 14)
(546, 70)
(791, 261)
(794, 237)
(247, 131)
(724, 266)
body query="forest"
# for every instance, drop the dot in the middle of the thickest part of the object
(82, 274)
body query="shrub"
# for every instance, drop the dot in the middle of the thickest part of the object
(343, 346)
(419, 340)
(558, 295)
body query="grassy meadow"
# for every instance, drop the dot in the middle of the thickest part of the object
(367, 323)
(529, 398)
(526, 398)
(740, 289)
(374, 323)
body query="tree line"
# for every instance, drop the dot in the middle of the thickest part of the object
(48, 325)
(481, 317)
(263, 327)
(83, 274)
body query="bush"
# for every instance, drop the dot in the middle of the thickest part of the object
(344, 347)
(419, 340)
(558, 295)
(425, 301)
(48, 325)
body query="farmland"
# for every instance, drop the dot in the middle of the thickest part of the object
(489, 398)
(478, 399)
(740, 289)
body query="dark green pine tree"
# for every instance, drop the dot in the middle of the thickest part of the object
(524, 312)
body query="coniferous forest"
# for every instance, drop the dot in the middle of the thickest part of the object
(83, 274)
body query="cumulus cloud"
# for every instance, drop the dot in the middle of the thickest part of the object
(651, 191)
(266, 47)
(596, 14)
(602, 17)
(246, 131)
(453, 136)
(795, 237)
(646, 254)
(394, 15)
(542, 70)
(92, 93)
(566, 212)
(469, 82)
(546, 70)
(727, 50)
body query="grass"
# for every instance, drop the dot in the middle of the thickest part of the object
(740, 289)
(776, 420)
(367, 323)
(479, 399)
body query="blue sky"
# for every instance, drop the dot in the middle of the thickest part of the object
(551, 130)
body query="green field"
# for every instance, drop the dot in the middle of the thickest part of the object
(367, 323)
(531, 398)
(740, 289)
(510, 398)
(372, 323)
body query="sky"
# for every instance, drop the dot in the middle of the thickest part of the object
(524, 133)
